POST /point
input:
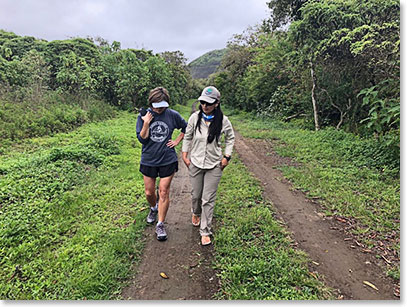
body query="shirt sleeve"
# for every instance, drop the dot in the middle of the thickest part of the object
(180, 123)
(229, 137)
(189, 133)
(139, 126)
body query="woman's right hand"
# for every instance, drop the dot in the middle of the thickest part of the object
(147, 118)
(187, 162)
(185, 159)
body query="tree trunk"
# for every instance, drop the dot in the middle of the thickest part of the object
(314, 101)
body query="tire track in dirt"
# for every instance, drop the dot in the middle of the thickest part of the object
(343, 268)
(187, 264)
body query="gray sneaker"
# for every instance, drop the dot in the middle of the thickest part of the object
(160, 231)
(152, 215)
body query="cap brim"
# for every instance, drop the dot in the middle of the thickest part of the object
(161, 104)
(207, 99)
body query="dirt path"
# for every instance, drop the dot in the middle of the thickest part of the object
(343, 267)
(181, 257)
(188, 264)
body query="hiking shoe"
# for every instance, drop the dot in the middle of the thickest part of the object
(160, 231)
(152, 215)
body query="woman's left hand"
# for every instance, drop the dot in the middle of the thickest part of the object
(223, 163)
(172, 143)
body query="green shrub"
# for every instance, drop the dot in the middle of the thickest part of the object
(51, 115)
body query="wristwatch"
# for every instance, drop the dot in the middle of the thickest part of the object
(227, 158)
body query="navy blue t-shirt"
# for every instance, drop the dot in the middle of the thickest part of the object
(155, 151)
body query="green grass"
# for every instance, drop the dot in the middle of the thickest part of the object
(351, 177)
(71, 222)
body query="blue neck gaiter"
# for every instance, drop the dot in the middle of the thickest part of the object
(208, 118)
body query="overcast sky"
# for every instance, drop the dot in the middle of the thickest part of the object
(193, 27)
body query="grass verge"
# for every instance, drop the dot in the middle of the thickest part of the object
(72, 215)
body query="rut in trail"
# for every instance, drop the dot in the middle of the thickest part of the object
(342, 267)
(187, 264)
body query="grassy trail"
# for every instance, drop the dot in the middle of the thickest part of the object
(72, 219)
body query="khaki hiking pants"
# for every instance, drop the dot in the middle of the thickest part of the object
(204, 186)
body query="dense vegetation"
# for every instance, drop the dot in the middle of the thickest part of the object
(324, 63)
(206, 64)
(48, 87)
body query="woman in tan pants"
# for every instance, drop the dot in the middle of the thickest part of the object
(202, 141)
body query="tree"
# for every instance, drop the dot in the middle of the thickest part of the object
(284, 11)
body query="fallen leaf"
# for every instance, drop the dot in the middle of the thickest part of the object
(341, 220)
(142, 209)
(163, 275)
(370, 285)
(385, 259)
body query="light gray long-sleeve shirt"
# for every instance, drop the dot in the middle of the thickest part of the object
(203, 154)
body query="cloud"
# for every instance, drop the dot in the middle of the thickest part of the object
(193, 27)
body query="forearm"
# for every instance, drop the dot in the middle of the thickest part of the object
(180, 137)
(144, 133)
(184, 155)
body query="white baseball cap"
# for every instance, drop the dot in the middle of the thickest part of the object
(210, 94)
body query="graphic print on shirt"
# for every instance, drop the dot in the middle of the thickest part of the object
(159, 131)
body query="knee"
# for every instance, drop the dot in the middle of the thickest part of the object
(208, 199)
(164, 193)
(150, 192)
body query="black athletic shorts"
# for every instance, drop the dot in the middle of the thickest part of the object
(159, 171)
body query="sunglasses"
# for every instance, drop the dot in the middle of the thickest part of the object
(207, 103)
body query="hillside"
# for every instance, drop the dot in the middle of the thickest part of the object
(206, 64)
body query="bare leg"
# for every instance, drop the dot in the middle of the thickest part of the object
(164, 202)
(149, 188)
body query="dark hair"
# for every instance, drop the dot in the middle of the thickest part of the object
(158, 94)
(215, 127)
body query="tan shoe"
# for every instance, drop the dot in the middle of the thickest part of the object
(206, 240)
(196, 220)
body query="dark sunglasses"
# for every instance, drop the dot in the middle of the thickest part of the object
(207, 103)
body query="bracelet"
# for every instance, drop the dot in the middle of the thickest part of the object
(227, 158)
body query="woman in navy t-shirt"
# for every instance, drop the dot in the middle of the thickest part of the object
(158, 156)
